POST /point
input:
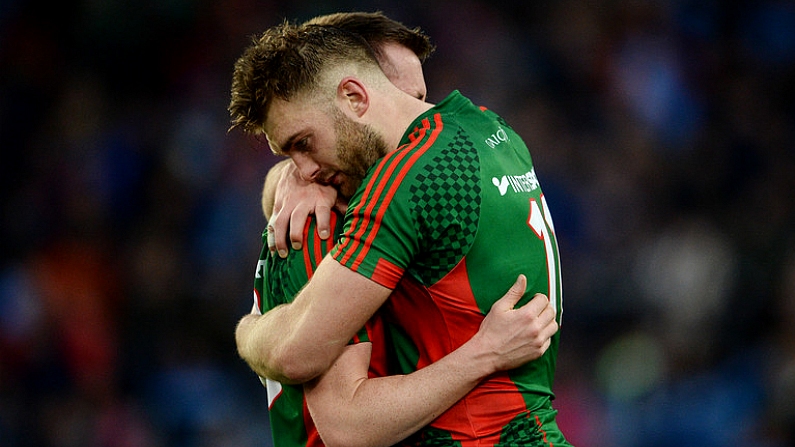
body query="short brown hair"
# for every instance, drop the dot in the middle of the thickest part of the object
(378, 29)
(258, 76)
(286, 60)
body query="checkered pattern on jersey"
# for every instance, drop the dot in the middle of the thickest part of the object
(447, 197)
(431, 437)
(523, 430)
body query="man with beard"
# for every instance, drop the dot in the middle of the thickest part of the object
(400, 52)
(421, 223)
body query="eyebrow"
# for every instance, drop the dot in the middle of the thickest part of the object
(288, 144)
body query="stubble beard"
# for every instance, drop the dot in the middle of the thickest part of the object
(359, 147)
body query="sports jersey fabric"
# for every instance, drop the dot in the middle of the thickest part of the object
(276, 281)
(448, 221)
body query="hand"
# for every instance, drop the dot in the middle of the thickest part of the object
(518, 335)
(294, 201)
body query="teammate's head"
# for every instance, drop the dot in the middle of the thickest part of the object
(400, 51)
(378, 30)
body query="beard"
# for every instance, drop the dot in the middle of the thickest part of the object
(358, 149)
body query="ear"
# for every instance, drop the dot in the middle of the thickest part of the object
(353, 96)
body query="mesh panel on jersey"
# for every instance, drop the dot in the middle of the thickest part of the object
(447, 197)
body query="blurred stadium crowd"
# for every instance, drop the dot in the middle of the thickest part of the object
(663, 133)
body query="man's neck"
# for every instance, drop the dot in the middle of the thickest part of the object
(403, 110)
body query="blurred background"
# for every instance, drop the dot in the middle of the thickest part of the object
(663, 133)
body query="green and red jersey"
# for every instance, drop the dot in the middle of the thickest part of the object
(448, 221)
(276, 281)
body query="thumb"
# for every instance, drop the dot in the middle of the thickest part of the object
(514, 294)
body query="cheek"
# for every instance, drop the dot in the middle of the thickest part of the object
(326, 156)
(323, 157)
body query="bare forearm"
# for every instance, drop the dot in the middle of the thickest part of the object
(260, 350)
(350, 409)
(296, 342)
(271, 345)
(383, 411)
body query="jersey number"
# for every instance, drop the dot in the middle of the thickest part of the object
(541, 224)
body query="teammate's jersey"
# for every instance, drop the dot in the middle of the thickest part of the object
(277, 281)
(449, 220)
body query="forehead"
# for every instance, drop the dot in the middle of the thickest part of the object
(291, 120)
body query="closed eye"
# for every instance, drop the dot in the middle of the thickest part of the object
(301, 145)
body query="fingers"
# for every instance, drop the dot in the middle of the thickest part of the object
(534, 307)
(514, 294)
(297, 224)
(293, 227)
(546, 345)
(281, 224)
(298, 221)
(550, 330)
(295, 201)
(516, 335)
(278, 199)
(538, 305)
(323, 217)
(544, 320)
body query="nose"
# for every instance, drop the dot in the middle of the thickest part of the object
(307, 167)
